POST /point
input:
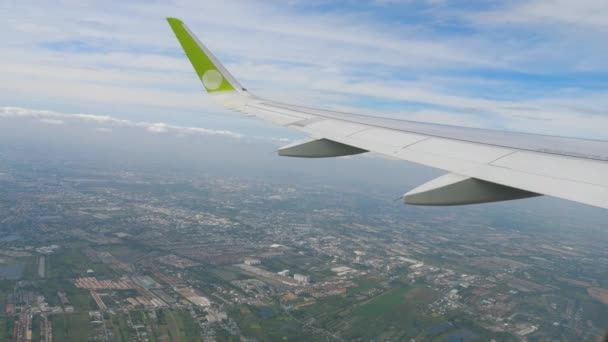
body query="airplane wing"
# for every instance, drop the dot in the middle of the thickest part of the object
(483, 165)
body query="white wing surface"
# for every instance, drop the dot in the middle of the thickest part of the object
(483, 165)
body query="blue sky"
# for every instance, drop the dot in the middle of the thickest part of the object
(537, 65)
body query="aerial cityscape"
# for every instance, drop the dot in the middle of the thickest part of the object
(134, 254)
(325, 170)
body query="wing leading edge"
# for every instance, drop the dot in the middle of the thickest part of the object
(483, 165)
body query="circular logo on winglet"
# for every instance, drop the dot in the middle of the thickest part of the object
(212, 79)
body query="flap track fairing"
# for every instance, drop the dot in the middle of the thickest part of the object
(319, 148)
(455, 189)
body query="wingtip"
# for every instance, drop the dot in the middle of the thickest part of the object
(173, 20)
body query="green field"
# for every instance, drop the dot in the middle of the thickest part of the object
(80, 299)
(229, 273)
(6, 328)
(270, 324)
(381, 304)
(72, 327)
(396, 314)
(120, 329)
(363, 284)
(31, 268)
(166, 326)
(72, 263)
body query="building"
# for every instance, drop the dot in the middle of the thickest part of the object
(302, 279)
(284, 273)
(252, 262)
(216, 315)
(341, 269)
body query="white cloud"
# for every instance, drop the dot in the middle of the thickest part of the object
(158, 127)
(51, 117)
(582, 13)
(52, 121)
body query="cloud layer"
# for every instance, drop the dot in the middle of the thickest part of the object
(537, 65)
(55, 118)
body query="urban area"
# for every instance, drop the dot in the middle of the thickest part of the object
(107, 255)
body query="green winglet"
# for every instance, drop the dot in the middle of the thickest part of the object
(214, 77)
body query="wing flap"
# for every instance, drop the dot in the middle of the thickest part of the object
(278, 118)
(331, 127)
(388, 139)
(574, 169)
(590, 194)
(460, 150)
